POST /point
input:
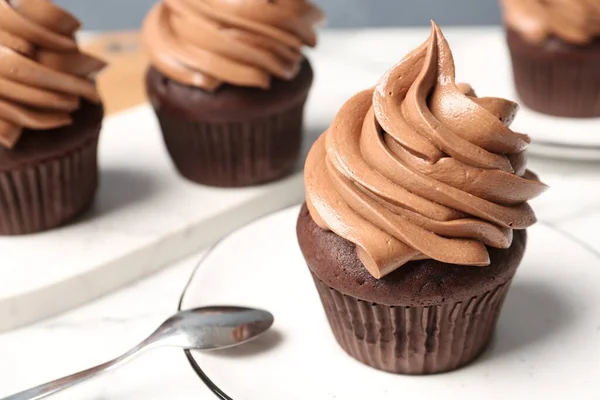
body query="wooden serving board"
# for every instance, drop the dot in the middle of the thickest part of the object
(122, 84)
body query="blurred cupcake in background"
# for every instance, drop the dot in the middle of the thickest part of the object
(555, 50)
(50, 118)
(228, 81)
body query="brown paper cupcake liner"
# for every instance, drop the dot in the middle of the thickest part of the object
(413, 340)
(563, 83)
(47, 194)
(235, 153)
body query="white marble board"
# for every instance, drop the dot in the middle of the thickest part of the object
(145, 217)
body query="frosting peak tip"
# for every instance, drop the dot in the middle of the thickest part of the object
(435, 28)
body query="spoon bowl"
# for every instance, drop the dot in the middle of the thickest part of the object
(213, 328)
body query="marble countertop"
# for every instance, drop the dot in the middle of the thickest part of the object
(101, 331)
(108, 327)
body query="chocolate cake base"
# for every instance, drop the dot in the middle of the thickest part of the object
(237, 136)
(555, 77)
(427, 317)
(50, 176)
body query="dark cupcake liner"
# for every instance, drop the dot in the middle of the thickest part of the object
(235, 153)
(47, 194)
(560, 80)
(413, 340)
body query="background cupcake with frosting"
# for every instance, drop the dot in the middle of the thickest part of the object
(50, 118)
(555, 49)
(228, 81)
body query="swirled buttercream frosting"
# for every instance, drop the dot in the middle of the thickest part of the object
(574, 21)
(206, 43)
(43, 74)
(420, 167)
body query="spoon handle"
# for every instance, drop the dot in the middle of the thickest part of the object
(53, 387)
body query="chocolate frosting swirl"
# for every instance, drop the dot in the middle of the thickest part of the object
(43, 75)
(420, 167)
(574, 21)
(205, 43)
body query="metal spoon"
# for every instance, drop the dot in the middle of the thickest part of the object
(208, 328)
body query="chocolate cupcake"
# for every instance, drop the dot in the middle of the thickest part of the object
(415, 216)
(229, 82)
(555, 50)
(50, 118)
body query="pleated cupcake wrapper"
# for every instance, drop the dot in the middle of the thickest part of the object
(413, 340)
(45, 195)
(558, 84)
(235, 153)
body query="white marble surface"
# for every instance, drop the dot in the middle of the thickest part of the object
(111, 325)
(98, 332)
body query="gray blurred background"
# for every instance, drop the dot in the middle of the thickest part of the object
(127, 14)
